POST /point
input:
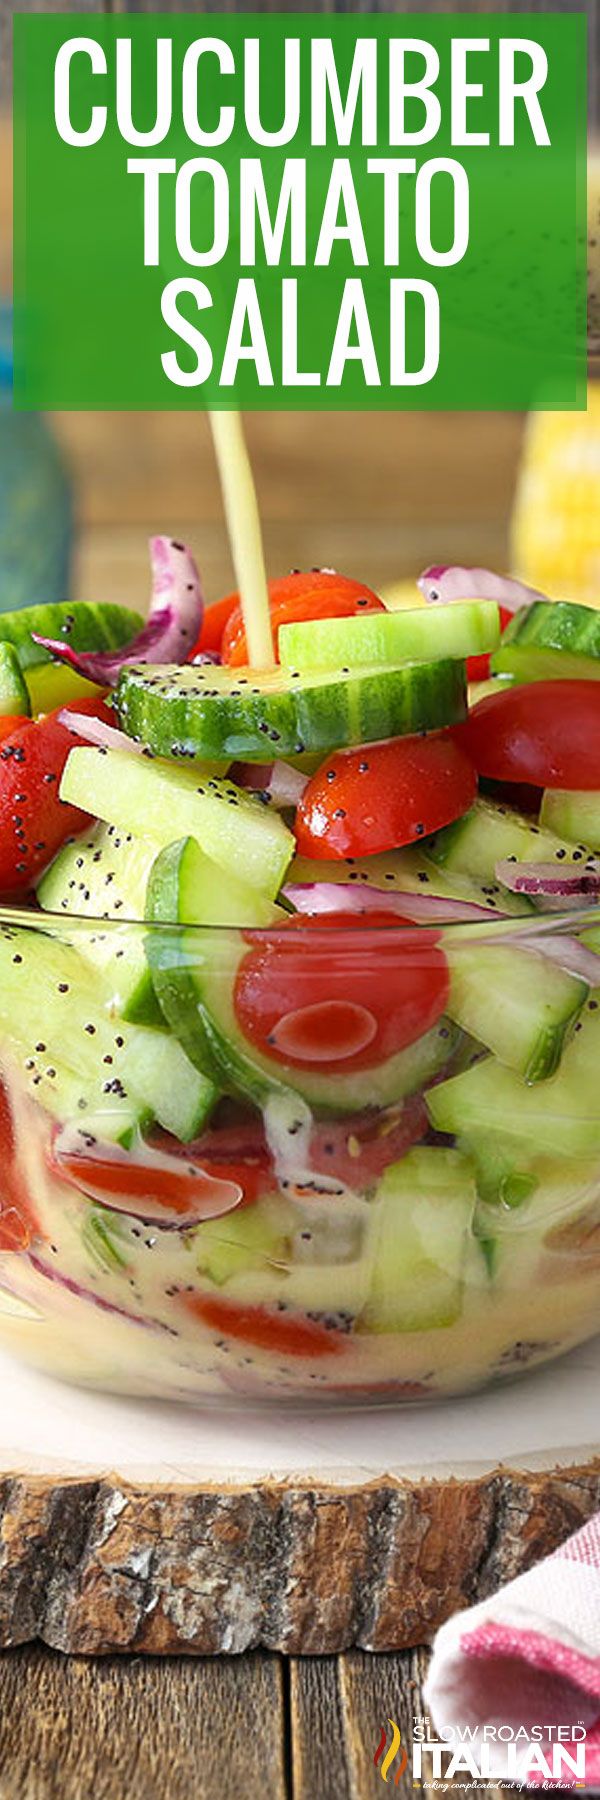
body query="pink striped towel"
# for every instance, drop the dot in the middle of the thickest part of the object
(527, 1657)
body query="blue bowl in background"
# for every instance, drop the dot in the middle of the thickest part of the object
(36, 514)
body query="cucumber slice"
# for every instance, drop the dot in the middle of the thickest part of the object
(153, 798)
(195, 984)
(421, 1225)
(520, 1006)
(102, 875)
(575, 816)
(551, 641)
(50, 1003)
(256, 715)
(562, 1114)
(410, 872)
(486, 835)
(84, 624)
(527, 1237)
(186, 888)
(14, 697)
(381, 639)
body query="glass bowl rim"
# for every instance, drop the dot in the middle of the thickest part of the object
(501, 925)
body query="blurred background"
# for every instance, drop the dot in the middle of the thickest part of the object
(377, 495)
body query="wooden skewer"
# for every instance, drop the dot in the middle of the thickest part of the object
(245, 535)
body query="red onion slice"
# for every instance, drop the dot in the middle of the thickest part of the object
(575, 883)
(567, 951)
(51, 1273)
(157, 1188)
(441, 585)
(333, 896)
(95, 731)
(281, 783)
(174, 622)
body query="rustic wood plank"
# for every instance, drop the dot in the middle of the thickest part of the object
(93, 1566)
(209, 1730)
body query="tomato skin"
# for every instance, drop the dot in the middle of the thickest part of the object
(478, 667)
(383, 796)
(214, 622)
(34, 822)
(314, 594)
(17, 1222)
(546, 733)
(9, 725)
(283, 1334)
(398, 977)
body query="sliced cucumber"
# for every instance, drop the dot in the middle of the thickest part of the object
(257, 1238)
(84, 624)
(195, 986)
(186, 888)
(519, 1005)
(551, 1205)
(551, 641)
(561, 1114)
(14, 697)
(104, 875)
(420, 1224)
(153, 798)
(410, 872)
(257, 715)
(575, 816)
(489, 834)
(52, 1004)
(379, 639)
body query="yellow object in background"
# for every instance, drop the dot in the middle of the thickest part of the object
(555, 535)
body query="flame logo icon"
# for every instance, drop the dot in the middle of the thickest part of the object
(391, 1753)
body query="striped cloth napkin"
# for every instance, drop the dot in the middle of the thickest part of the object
(529, 1657)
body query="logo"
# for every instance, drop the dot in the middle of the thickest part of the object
(391, 1753)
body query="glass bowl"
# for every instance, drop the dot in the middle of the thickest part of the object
(186, 1214)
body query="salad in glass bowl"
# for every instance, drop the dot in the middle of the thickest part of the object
(300, 990)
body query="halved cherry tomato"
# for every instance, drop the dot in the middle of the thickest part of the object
(17, 1222)
(155, 1186)
(284, 1334)
(34, 822)
(348, 1004)
(383, 796)
(546, 733)
(9, 725)
(478, 667)
(214, 622)
(314, 594)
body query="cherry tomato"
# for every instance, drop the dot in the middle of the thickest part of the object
(546, 734)
(283, 1333)
(306, 1001)
(9, 725)
(34, 822)
(17, 1222)
(316, 594)
(478, 667)
(214, 622)
(383, 795)
(154, 1187)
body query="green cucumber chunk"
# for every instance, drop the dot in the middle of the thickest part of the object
(575, 816)
(530, 1228)
(194, 976)
(257, 715)
(421, 1222)
(52, 1004)
(84, 625)
(153, 798)
(103, 875)
(554, 640)
(520, 1006)
(256, 1238)
(14, 697)
(489, 834)
(562, 1113)
(379, 639)
(187, 888)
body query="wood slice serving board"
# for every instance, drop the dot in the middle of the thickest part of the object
(129, 1525)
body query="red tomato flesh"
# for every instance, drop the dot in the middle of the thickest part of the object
(281, 1333)
(383, 795)
(296, 990)
(34, 822)
(314, 594)
(17, 1222)
(214, 622)
(9, 725)
(546, 733)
